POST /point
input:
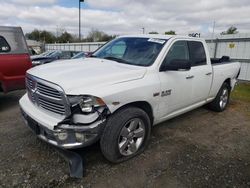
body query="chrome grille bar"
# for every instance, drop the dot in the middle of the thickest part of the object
(47, 96)
(48, 91)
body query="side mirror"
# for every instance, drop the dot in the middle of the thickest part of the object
(175, 65)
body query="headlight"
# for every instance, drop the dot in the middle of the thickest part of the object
(87, 104)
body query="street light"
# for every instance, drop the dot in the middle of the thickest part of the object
(80, 19)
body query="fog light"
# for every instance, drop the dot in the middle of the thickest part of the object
(80, 137)
(62, 135)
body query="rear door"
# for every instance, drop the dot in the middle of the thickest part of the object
(201, 72)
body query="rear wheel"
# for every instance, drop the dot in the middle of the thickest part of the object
(126, 134)
(220, 102)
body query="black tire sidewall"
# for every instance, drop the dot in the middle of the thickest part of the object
(224, 86)
(115, 123)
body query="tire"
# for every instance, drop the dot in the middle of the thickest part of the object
(126, 134)
(220, 102)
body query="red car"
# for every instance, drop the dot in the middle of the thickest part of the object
(14, 59)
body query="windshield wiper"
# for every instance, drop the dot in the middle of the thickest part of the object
(119, 60)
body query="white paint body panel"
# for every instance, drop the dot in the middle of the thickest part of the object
(116, 82)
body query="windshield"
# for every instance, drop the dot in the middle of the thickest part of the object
(50, 53)
(45, 53)
(132, 50)
(79, 55)
(54, 54)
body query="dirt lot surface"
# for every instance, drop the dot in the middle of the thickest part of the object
(198, 149)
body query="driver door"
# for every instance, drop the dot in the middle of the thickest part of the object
(176, 86)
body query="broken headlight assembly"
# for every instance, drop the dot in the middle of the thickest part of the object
(86, 104)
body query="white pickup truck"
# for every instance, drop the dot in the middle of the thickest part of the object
(124, 88)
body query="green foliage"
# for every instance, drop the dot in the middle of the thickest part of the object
(98, 36)
(64, 37)
(43, 36)
(231, 30)
(171, 32)
(242, 92)
(153, 32)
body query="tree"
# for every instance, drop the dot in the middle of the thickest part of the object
(43, 36)
(34, 35)
(47, 37)
(231, 30)
(98, 36)
(65, 37)
(171, 32)
(153, 32)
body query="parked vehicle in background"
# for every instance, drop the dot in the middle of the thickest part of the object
(14, 59)
(79, 55)
(44, 54)
(50, 56)
(126, 87)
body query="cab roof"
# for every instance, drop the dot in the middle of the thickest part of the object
(159, 36)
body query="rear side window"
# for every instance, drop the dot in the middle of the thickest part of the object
(4, 46)
(197, 53)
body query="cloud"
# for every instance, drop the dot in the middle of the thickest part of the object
(33, 2)
(129, 16)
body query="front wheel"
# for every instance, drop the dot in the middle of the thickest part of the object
(220, 102)
(126, 134)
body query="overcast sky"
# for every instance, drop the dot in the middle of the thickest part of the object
(128, 16)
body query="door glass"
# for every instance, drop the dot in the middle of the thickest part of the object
(197, 53)
(179, 50)
(4, 46)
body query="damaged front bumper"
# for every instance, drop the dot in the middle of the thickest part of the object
(60, 133)
(67, 136)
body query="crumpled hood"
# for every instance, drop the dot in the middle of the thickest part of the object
(78, 75)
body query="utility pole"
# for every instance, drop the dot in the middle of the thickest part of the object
(213, 30)
(80, 19)
(143, 30)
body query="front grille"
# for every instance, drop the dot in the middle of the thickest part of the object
(52, 106)
(46, 90)
(47, 96)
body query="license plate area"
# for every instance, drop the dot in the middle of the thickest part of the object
(31, 123)
(34, 126)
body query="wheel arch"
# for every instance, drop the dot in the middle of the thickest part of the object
(228, 81)
(144, 105)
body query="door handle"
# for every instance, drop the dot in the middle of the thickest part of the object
(189, 77)
(209, 73)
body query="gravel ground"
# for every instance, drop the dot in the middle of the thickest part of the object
(198, 149)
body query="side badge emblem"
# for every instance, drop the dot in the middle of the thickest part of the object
(166, 93)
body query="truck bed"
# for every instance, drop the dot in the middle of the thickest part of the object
(222, 60)
(225, 69)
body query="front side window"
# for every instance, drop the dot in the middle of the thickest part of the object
(132, 50)
(197, 53)
(179, 50)
(4, 46)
